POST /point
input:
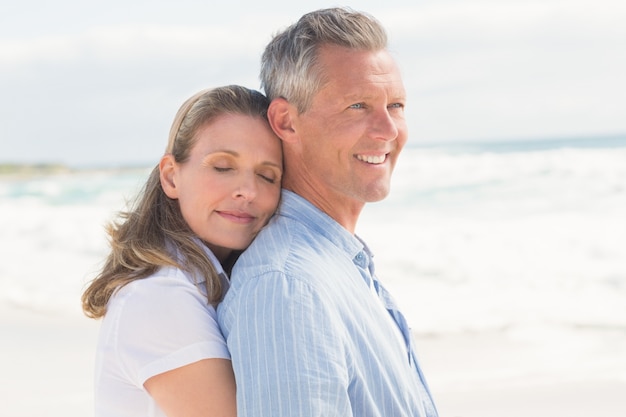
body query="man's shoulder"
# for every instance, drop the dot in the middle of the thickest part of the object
(283, 247)
(272, 245)
(274, 238)
(284, 232)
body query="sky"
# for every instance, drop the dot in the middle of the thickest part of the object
(97, 83)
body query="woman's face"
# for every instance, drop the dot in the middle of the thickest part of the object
(230, 185)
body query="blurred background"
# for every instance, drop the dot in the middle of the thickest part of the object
(504, 237)
(97, 83)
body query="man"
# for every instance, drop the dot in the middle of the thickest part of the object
(310, 329)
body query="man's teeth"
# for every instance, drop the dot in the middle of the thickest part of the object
(372, 159)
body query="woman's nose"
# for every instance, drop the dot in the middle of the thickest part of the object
(246, 188)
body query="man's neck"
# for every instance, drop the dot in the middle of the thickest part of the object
(343, 210)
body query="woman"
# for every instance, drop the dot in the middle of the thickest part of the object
(160, 351)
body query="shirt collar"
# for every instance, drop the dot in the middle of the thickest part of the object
(301, 210)
(209, 254)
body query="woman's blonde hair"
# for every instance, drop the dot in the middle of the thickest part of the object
(142, 238)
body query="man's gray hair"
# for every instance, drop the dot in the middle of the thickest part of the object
(289, 65)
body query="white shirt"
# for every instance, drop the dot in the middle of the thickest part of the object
(152, 325)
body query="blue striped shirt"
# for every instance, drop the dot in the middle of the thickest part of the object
(306, 335)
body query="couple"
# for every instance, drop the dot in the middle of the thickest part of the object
(308, 328)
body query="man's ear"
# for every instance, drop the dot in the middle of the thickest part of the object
(168, 168)
(280, 115)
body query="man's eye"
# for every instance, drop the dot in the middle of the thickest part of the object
(221, 169)
(357, 106)
(396, 106)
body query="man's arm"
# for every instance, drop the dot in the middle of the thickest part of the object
(288, 357)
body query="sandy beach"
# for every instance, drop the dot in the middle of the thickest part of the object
(506, 374)
(46, 363)
(47, 369)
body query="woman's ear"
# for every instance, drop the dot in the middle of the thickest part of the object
(167, 169)
(280, 115)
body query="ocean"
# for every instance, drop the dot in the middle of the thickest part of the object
(473, 237)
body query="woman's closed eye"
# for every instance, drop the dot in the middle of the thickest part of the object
(269, 176)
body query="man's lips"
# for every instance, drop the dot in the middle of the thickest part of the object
(373, 159)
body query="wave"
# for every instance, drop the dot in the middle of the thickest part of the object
(467, 241)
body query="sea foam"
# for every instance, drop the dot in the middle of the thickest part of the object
(468, 239)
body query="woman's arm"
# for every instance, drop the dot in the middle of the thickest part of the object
(201, 389)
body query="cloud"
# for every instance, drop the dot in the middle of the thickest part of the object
(105, 88)
(506, 19)
(128, 43)
(109, 93)
(498, 70)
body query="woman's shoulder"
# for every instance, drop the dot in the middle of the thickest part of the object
(164, 277)
(167, 289)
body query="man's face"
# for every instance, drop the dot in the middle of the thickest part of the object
(354, 130)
